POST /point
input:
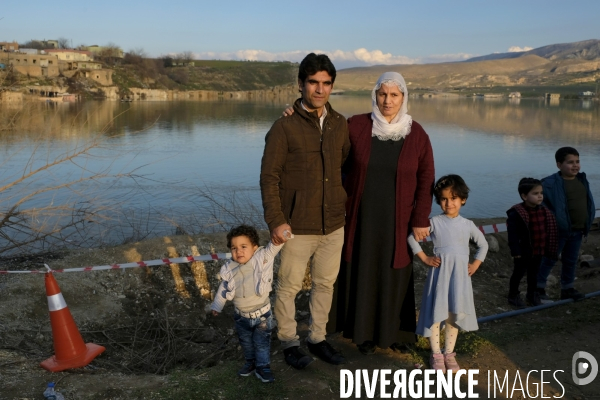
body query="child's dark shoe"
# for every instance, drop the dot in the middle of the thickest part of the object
(571, 293)
(542, 294)
(295, 357)
(264, 374)
(534, 300)
(516, 300)
(247, 369)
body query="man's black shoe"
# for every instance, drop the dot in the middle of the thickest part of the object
(325, 352)
(295, 357)
(571, 293)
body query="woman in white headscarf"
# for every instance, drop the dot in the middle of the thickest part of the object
(389, 181)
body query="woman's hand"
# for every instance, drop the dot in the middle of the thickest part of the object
(420, 233)
(288, 111)
(431, 261)
(214, 313)
(473, 267)
(434, 262)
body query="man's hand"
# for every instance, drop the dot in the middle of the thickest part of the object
(214, 313)
(278, 237)
(420, 233)
(288, 111)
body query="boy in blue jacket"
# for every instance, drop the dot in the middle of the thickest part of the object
(567, 194)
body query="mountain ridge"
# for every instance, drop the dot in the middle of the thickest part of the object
(553, 65)
(585, 49)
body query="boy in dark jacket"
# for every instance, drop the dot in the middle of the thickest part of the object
(567, 194)
(532, 233)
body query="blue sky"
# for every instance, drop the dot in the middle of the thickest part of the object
(353, 33)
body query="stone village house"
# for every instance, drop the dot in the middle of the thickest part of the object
(9, 46)
(58, 62)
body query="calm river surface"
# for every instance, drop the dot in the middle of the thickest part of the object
(191, 152)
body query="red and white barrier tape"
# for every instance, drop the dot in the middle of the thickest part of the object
(139, 264)
(485, 229)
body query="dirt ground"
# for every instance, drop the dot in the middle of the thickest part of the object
(161, 344)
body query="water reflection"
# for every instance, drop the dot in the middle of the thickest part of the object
(188, 149)
(575, 120)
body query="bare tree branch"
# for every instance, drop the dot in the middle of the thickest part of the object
(43, 206)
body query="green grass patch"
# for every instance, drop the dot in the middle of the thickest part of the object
(124, 80)
(470, 343)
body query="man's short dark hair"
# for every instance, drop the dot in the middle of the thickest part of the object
(314, 63)
(456, 184)
(243, 230)
(563, 152)
(526, 185)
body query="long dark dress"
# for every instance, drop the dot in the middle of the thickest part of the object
(372, 300)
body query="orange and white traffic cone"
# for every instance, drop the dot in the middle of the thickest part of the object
(70, 351)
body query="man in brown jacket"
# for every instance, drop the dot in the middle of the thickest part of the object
(302, 194)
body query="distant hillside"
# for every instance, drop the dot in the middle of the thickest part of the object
(554, 65)
(444, 75)
(206, 75)
(496, 56)
(584, 50)
(148, 73)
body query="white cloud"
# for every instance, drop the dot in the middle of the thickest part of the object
(364, 56)
(342, 59)
(517, 49)
(441, 58)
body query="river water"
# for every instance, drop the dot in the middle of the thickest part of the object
(197, 163)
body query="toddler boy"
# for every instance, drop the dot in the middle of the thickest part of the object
(247, 281)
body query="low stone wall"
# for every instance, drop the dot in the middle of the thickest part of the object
(148, 94)
(36, 71)
(11, 97)
(155, 94)
(139, 94)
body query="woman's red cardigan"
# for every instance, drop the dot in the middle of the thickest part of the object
(414, 184)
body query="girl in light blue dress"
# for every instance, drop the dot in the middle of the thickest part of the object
(448, 294)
